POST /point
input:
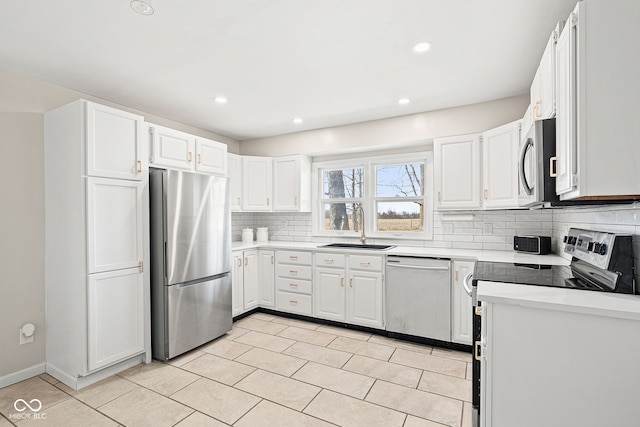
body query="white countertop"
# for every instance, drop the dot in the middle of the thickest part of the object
(470, 254)
(607, 304)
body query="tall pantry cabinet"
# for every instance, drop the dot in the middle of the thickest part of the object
(96, 242)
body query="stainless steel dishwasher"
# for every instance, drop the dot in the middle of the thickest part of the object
(418, 296)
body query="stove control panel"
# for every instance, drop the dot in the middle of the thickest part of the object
(594, 247)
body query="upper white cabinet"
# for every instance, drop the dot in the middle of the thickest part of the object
(179, 150)
(457, 176)
(500, 166)
(96, 246)
(114, 143)
(257, 176)
(292, 183)
(211, 156)
(597, 115)
(234, 172)
(543, 98)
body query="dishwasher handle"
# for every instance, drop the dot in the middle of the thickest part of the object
(417, 267)
(466, 283)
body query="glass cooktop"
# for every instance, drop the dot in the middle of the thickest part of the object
(558, 276)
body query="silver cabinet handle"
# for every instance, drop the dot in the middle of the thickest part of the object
(466, 283)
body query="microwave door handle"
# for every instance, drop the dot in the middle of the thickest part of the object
(523, 177)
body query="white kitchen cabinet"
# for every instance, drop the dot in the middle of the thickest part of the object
(457, 177)
(257, 178)
(292, 183)
(114, 142)
(543, 100)
(114, 224)
(500, 166)
(171, 148)
(294, 290)
(179, 150)
(234, 172)
(211, 157)
(251, 288)
(596, 114)
(566, 373)
(348, 288)
(237, 283)
(96, 243)
(330, 295)
(115, 316)
(266, 278)
(461, 304)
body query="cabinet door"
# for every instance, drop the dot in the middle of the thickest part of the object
(266, 264)
(234, 172)
(364, 299)
(114, 143)
(566, 138)
(251, 289)
(171, 148)
(547, 69)
(500, 166)
(457, 172)
(211, 157)
(461, 305)
(286, 184)
(329, 293)
(115, 316)
(256, 183)
(114, 224)
(237, 284)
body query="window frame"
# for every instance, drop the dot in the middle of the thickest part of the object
(369, 200)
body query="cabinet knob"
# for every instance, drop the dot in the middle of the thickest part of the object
(293, 301)
(342, 281)
(199, 158)
(293, 285)
(486, 193)
(139, 165)
(351, 282)
(190, 156)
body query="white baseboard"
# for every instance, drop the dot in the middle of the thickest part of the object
(24, 374)
(77, 383)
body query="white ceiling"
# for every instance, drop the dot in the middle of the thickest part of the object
(330, 62)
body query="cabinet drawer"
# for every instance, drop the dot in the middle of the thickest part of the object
(330, 260)
(294, 271)
(296, 303)
(365, 262)
(294, 285)
(294, 257)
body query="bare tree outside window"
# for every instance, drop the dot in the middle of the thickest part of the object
(343, 186)
(400, 197)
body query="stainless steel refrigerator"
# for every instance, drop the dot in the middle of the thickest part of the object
(190, 222)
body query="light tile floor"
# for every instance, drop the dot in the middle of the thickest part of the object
(268, 371)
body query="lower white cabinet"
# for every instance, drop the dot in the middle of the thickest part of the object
(115, 316)
(349, 288)
(293, 282)
(461, 304)
(266, 278)
(253, 280)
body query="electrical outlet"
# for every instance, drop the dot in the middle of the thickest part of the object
(487, 228)
(26, 333)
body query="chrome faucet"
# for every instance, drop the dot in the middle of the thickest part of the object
(363, 238)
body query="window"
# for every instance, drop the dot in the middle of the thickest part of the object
(388, 194)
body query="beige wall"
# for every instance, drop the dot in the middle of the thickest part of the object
(394, 132)
(21, 239)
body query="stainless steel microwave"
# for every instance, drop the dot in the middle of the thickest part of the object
(536, 165)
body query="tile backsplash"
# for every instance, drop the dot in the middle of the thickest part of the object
(472, 229)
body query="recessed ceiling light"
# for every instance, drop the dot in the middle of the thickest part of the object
(220, 99)
(403, 101)
(297, 120)
(142, 7)
(422, 47)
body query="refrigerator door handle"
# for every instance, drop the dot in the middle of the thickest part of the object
(199, 281)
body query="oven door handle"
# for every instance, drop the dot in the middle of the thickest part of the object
(466, 283)
(523, 177)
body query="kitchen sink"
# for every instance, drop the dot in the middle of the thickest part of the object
(357, 246)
